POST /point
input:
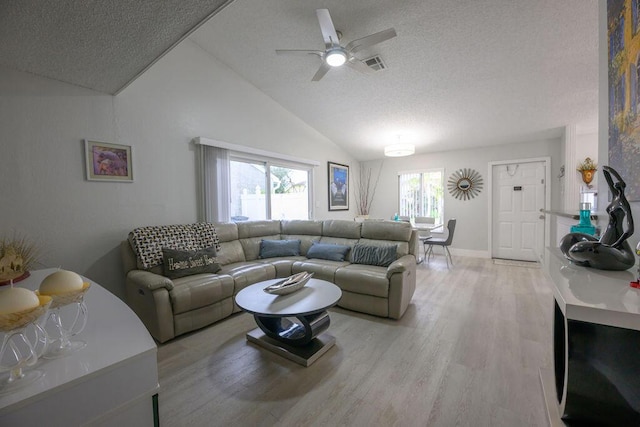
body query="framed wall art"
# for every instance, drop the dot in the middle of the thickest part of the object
(624, 93)
(465, 184)
(108, 162)
(338, 187)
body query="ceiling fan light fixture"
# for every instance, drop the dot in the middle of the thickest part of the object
(336, 57)
(399, 150)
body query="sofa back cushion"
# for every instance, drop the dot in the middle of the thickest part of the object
(302, 227)
(307, 231)
(341, 228)
(251, 234)
(387, 230)
(227, 231)
(249, 229)
(231, 252)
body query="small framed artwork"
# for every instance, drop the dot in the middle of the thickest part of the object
(338, 187)
(108, 162)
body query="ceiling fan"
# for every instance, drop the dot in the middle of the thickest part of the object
(336, 55)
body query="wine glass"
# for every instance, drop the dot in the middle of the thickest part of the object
(20, 349)
(67, 321)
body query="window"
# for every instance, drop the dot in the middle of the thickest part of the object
(238, 183)
(422, 194)
(268, 189)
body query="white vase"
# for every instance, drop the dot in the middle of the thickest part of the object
(361, 218)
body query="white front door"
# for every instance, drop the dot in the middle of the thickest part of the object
(518, 195)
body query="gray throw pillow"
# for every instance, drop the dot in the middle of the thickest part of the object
(381, 256)
(275, 248)
(328, 251)
(179, 263)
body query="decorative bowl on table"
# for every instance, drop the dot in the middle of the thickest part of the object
(20, 350)
(290, 284)
(59, 300)
(68, 312)
(12, 321)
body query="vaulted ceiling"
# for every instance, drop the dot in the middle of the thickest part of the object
(460, 74)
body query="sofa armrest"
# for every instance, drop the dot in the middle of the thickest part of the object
(149, 280)
(401, 265)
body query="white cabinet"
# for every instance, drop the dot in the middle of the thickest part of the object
(112, 381)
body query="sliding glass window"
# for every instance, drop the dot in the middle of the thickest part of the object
(268, 189)
(422, 194)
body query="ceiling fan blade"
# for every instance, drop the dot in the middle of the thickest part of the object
(321, 72)
(357, 45)
(299, 52)
(328, 30)
(358, 65)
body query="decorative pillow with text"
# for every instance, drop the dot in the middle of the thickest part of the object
(179, 263)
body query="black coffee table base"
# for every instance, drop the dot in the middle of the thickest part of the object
(299, 339)
(304, 355)
(295, 331)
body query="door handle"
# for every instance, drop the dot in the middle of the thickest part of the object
(541, 217)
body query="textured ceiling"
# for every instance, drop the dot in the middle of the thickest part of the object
(101, 45)
(460, 74)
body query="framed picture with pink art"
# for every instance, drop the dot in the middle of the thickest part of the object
(108, 162)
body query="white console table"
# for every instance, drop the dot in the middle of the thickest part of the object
(596, 346)
(112, 381)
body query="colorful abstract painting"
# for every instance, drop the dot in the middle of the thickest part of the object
(623, 29)
(108, 162)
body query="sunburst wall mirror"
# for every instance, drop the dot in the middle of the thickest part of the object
(465, 184)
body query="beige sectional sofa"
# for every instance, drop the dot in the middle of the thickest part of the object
(170, 307)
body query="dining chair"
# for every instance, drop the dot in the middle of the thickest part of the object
(445, 243)
(423, 225)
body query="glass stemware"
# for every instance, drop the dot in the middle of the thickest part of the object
(19, 350)
(67, 321)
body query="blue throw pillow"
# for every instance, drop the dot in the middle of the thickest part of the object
(382, 256)
(328, 251)
(276, 248)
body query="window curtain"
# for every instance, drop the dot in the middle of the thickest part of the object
(215, 192)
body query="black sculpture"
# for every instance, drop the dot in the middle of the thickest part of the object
(612, 251)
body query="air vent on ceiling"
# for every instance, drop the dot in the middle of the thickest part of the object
(375, 63)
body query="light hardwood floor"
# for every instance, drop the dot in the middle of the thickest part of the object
(466, 353)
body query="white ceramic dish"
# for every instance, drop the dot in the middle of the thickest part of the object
(290, 284)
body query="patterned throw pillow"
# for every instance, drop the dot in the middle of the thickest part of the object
(328, 251)
(276, 248)
(185, 263)
(147, 242)
(381, 256)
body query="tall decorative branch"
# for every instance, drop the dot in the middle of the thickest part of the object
(366, 189)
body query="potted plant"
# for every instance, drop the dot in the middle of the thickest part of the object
(366, 190)
(587, 168)
(17, 256)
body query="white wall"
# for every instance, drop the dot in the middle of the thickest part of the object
(473, 216)
(79, 224)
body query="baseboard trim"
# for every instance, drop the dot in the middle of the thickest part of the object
(469, 253)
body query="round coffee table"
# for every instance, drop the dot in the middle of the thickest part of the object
(291, 325)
